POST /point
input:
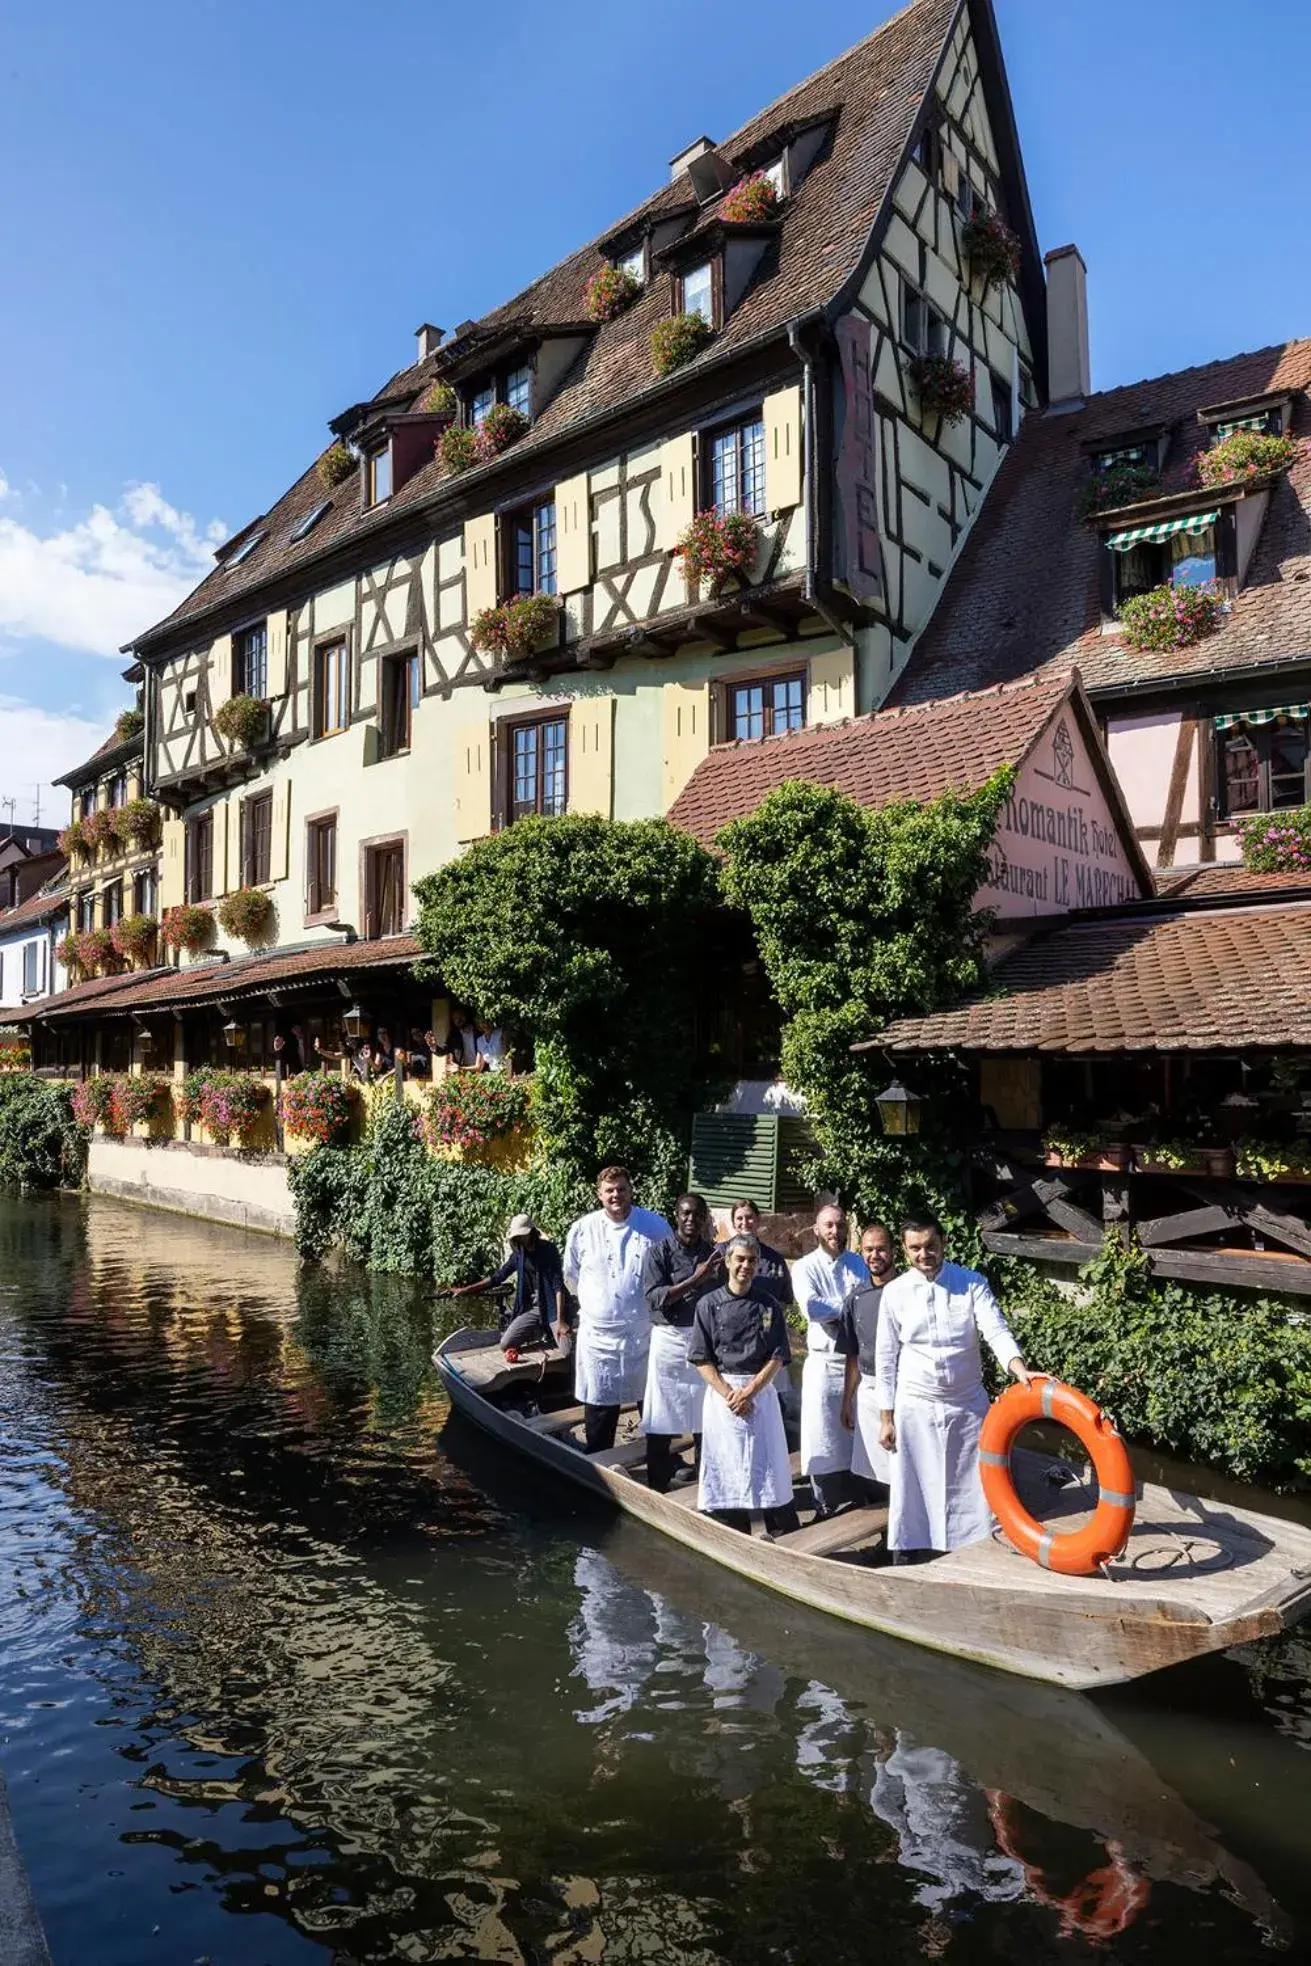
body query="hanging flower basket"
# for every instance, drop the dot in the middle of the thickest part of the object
(129, 723)
(609, 291)
(438, 400)
(132, 1101)
(750, 201)
(230, 1104)
(99, 828)
(945, 388)
(73, 839)
(134, 936)
(91, 1100)
(471, 1109)
(991, 248)
(501, 427)
(1276, 843)
(516, 628)
(678, 340)
(187, 1097)
(135, 824)
(1119, 484)
(1245, 454)
(317, 1106)
(1170, 617)
(247, 912)
(716, 545)
(242, 720)
(95, 950)
(335, 466)
(457, 447)
(187, 927)
(66, 952)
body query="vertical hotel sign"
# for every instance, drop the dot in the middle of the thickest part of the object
(856, 536)
(1058, 845)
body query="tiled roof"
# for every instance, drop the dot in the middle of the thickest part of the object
(1232, 883)
(873, 93)
(37, 908)
(1214, 980)
(93, 766)
(955, 744)
(209, 982)
(1024, 594)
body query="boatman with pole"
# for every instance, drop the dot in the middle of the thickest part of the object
(604, 1260)
(822, 1282)
(929, 1387)
(739, 1345)
(677, 1275)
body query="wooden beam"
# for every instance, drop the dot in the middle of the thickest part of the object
(1291, 1230)
(1188, 1222)
(1047, 1249)
(1053, 1196)
(1240, 1268)
(724, 638)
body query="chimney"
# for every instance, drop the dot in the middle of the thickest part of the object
(677, 165)
(1069, 372)
(429, 339)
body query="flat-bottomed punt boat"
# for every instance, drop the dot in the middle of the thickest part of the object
(1195, 1577)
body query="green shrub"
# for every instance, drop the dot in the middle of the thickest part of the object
(41, 1144)
(335, 466)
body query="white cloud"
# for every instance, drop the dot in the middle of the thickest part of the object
(36, 746)
(94, 585)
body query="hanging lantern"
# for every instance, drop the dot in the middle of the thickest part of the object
(145, 1038)
(353, 1021)
(899, 1110)
(234, 1035)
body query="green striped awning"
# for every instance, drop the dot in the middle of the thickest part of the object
(1231, 424)
(1120, 542)
(1294, 711)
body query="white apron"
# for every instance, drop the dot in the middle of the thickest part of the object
(825, 1442)
(610, 1363)
(937, 1500)
(675, 1390)
(744, 1462)
(868, 1460)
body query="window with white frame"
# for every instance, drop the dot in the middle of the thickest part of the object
(699, 292)
(735, 462)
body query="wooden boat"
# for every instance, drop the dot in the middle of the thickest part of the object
(1196, 1576)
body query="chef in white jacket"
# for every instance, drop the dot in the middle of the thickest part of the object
(604, 1257)
(931, 1397)
(821, 1283)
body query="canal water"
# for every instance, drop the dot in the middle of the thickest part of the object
(292, 1670)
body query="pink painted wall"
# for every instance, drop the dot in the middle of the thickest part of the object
(1142, 755)
(1058, 844)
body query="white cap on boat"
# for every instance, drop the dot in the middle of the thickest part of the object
(521, 1225)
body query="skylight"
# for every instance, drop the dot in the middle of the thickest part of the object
(311, 519)
(246, 548)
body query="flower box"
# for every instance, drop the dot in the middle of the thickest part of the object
(243, 720)
(1104, 1160)
(469, 1111)
(136, 823)
(1119, 484)
(133, 936)
(1276, 843)
(1244, 454)
(751, 201)
(945, 388)
(73, 839)
(501, 427)
(457, 447)
(129, 724)
(716, 545)
(609, 291)
(676, 341)
(1171, 617)
(94, 949)
(317, 1106)
(247, 913)
(99, 829)
(992, 249)
(1216, 1163)
(230, 1104)
(516, 628)
(335, 466)
(187, 927)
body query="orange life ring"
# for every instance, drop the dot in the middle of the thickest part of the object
(1083, 1551)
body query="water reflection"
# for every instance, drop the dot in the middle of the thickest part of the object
(293, 1667)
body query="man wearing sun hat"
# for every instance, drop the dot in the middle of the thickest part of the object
(534, 1318)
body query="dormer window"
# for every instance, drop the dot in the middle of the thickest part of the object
(482, 402)
(1144, 454)
(633, 263)
(378, 475)
(519, 390)
(699, 292)
(513, 387)
(777, 175)
(1175, 553)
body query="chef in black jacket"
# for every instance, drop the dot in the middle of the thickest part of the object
(676, 1275)
(739, 1345)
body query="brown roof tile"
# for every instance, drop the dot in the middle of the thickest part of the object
(955, 744)
(1216, 980)
(210, 982)
(1024, 594)
(873, 91)
(1233, 883)
(37, 908)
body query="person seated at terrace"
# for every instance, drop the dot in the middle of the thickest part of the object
(490, 1054)
(460, 1048)
(384, 1053)
(291, 1050)
(535, 1317)
(419, 1055)
(739, 1345)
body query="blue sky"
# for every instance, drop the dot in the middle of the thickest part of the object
(229, 219)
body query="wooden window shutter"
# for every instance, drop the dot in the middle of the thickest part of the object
(686, 708)
(172, 864)
(280, 835)
(592, 755)
(220, 671)
(479, 564)
(473, 781)
(676, 506)
(573, 535)
(783, 449)
(227, 847)
(831, 694)
(276, 631)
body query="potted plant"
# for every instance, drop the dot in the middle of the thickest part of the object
(751, 201)
(1167, 1157)
(66, 952)
(242, 720)
(1276, 843)
(1118, 484)
(230, 1103)
(678, 340)
(72, 839)
(439, 399)
(1066, 1146)
(945, 387)
(991, 248)
(187, 927)
(317, 1106)
(129, 723)
(98, 828)
(516, 628)
(136, 822)
(247, 912)
(716, 545)
(1269, 1160)
(1170, 617)
(91, 1101)
(457, 447)
(502, 426)
(95, 949)
(187, 1098)
(609, 291)
(1244, 454)
(469, 1110)
(134, 937)
(335, 466)
(133, 1101)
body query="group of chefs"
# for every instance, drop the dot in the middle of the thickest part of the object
(892, 1394)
